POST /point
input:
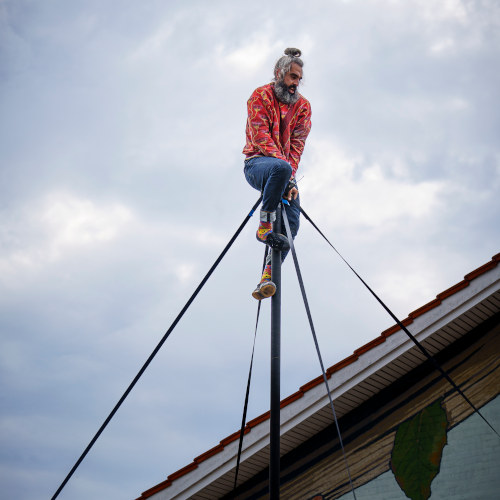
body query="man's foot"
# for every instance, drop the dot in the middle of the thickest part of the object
(266, 288)
(276, 241)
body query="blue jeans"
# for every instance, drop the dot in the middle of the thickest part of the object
(270, 176)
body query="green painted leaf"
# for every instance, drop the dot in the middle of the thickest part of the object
(417, 451)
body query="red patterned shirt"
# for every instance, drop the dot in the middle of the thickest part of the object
(265, 116)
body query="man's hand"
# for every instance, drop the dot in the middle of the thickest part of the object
(291, 191)
(292, 194)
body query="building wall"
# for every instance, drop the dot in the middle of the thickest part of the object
(470, 465)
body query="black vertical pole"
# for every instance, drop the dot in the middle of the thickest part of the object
(274, 460)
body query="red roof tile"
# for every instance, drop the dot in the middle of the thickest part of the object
(259, 419)
(155, 489)
(233, 437)
(210, 453)
(425, 308)
(370, 345)
(395, 328)
(481, 270)
(312, 383)
(290, 399)
(183, 471)
(341, 364)
(454, 289)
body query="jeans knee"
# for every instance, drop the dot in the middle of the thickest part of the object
(283, 170)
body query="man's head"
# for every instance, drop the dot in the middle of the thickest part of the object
(287, 76)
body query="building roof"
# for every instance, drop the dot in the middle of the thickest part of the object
(371, 368)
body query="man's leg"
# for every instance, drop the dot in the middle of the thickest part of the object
(266, 287)
(270, 176)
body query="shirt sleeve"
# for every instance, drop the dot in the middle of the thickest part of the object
(260, 125)
(299, 135)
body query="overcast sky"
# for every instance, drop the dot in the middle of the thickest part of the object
(121, 130)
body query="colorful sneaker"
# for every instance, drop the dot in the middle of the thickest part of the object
(266, 288)
(276, 241)
(266, 235)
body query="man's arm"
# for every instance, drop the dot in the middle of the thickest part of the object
(299, 135)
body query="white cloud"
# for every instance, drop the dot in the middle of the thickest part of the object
(248, 58)
(412, 279)
(442, 46)
(185, 271)
(258, 54)
(454, 10)
(74, 222)
(61, 223)
(358, 194)
(155, 45)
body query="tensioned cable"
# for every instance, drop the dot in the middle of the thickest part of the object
(311, 324)
(400, 324)
(157, 348)
(245, 406)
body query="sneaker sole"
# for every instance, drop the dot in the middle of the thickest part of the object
(264, 291)
(276, 241)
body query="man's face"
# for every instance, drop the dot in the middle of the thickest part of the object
(286, 87)
(292, 78)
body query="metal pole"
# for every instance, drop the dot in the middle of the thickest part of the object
(274, 460)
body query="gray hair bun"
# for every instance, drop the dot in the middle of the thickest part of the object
(292, 52)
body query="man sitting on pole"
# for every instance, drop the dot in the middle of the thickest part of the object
(279, 121)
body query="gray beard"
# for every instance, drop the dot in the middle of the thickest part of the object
(283, 95)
